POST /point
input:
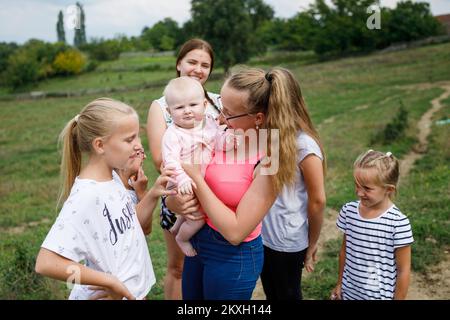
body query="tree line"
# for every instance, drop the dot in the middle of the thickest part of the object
(237, 30)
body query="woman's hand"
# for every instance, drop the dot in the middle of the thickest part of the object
(185, 205)
(115, 291)
(192, 170)
(311, 257)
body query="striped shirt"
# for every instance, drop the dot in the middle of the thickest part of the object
(370, 270)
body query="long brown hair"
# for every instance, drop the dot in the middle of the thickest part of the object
(97, 119)
(277, 94)
(194, 44)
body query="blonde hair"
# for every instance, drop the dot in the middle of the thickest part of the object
(97, 119)
(277, 94)
(385, 164)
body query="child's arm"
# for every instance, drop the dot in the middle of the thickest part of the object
(52, 265)
(403, 261)
(148, 203)
(312, 170)
(336, 294)
(172, 156)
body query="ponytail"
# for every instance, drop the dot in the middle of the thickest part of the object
(277, 94)
(71, 159)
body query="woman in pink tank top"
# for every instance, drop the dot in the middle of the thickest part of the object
(238, 190)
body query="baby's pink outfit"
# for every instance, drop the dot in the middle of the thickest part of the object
(193, 145)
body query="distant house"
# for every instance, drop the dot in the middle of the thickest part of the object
(445, 20)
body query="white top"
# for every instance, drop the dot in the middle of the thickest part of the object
(285, 227)
(98, 225)
(210, 109)
(370, 271)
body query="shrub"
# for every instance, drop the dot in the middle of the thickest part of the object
(393, 130)
(22, 69)
(69, 62)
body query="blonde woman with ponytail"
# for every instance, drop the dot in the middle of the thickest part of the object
(99, 222)
(236, 195)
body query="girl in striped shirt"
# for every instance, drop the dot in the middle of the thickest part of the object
(375, 257)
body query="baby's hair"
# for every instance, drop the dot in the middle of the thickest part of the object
(180, 84)
(386, 165)
(97, 119)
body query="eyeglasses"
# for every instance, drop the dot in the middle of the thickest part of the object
(233, 117)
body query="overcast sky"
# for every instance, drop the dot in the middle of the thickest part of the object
(21, 20)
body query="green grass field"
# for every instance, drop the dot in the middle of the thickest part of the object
(350, 100)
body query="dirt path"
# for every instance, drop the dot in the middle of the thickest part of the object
(435, 284)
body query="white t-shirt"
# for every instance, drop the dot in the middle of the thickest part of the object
(98, 224)
(132, 193)
(285, 227)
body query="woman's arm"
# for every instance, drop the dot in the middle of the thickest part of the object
(403, 261)
(312, 170)
(145, 207)
(252, 208)
(52, 265)
(156, 126)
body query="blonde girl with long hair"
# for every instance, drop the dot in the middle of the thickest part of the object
(237, 195)
(99, 223)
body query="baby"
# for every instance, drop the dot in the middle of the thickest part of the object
(192, 135)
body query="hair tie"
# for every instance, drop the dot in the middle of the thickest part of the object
(268, 77)
(76, 118)
(388, 154)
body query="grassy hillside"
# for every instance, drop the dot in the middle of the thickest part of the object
(350, 101)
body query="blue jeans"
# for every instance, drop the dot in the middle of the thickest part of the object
(221, 271)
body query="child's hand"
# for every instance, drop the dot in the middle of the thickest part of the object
(311, 258)
(159, 187)
(186, 188)
(115, 291)
(336, 293)
(139, 183)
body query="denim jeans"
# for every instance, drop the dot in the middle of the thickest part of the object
(221, 271)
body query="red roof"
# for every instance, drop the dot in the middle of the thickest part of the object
(443, 18)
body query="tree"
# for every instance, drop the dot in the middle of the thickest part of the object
(230, 26)
(60, 28)
(411, 21)
(163, 35)
(80, 33)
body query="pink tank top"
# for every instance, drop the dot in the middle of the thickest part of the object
(229, 182)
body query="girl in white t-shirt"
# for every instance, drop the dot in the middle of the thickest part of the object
(99, 224)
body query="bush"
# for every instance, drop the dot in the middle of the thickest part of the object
(91, 65)
(22, 69)
(69, 62)
(393, 130)
(103, 50)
